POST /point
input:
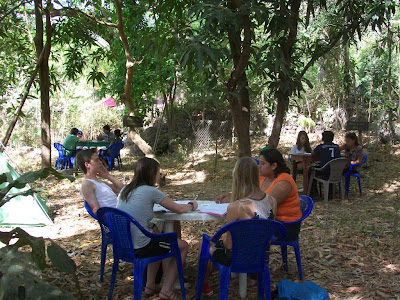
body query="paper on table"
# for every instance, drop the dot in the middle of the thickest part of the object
(214, 209)
(160, 208)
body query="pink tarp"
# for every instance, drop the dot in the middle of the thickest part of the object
(110, 102)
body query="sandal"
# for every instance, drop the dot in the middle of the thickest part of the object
(153, 291)
(172, 296)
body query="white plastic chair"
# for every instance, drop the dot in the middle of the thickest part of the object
(336, 176)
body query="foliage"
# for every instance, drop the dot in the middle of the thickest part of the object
(305, 122)
(21, 270)
(21, 181)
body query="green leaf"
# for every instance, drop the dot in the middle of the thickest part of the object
(60, 259)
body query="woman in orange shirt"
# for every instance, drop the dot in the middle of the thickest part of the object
(276, 181)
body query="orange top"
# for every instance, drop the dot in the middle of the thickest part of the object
(289, 209)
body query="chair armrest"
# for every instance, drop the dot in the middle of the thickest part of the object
(352, 166)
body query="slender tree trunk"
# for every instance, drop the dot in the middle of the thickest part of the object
(347, 79)
(240, 109)
(240, 42)
(126, 97)
(287, 47)
(24, 97)
(389, 45)
(398, 76)
(44, 80)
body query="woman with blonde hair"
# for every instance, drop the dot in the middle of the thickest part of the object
(248, 201)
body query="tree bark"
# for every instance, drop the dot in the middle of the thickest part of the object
(237, 83)
(240, 109)
(126, 97)
(285, 81)
(44, 79)
(24, 97)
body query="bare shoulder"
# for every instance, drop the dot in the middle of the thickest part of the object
(87, 184)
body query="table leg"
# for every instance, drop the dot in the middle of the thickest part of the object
(306, 166)
(294, 163)
(169, 226)
(243, 285)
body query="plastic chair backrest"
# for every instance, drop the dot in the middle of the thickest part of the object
(115, 149)
(364, 160)
(119, 224)
(61, 149)
(250, 240)
(89, 210)
(306, 206)
(336, 169)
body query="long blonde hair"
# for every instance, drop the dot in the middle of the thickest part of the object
(245, 178)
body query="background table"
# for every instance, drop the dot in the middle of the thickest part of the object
(94, 143)
(169, 218)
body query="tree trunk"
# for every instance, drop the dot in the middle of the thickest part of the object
(278, 122)
(126, 97)
(239, 43)
(44, 80)
(347, 79)
(285, 81)
(240, 109)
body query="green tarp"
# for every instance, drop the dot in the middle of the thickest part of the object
(22, 210)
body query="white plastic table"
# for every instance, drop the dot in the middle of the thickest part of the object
(169, 217)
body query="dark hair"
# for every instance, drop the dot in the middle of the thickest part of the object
(327, 136)
(117, 133)
(74, 131)
(352, 136)
(145, 174)
(106, 127)
(274, 156)
(84, 156)
(306, 146)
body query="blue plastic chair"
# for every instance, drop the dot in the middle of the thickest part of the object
(306, 206)
(106, 239)
(63, 159)
(353, 173)
(119, 223)
(250, 241)
(111, 153)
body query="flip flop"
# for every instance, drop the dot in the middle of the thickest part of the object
(172, 296)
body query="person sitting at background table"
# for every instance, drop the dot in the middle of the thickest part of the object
(97, 193)
(352, 150)
(71, 141)
(117, 136)
(138, 199)
(107, 134)
(326, 151)
(248, 201)
(302, 146)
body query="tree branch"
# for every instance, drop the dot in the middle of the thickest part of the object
(11, 11)
(73, 12)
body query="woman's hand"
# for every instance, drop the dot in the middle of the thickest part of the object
(224, 198)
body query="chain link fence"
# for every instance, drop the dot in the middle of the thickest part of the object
(208, 133)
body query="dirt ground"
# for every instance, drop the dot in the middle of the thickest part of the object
(350, 248)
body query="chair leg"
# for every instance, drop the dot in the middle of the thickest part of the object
(102, 259)
(326, 192)
(298, 259)
(138, 277)
(359, 184)
(284, 258)
(267, 283)
(347, 185)
(342, 189)
(224, 281)
(113, 276)
(261, 286)
(180, 275)
(203, 262)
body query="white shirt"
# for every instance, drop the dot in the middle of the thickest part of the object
(105, 196)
